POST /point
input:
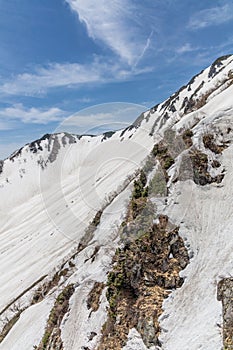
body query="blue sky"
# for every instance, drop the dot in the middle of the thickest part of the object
(58, 57)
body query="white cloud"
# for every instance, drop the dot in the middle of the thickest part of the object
(29, 115)
(117, 23)
(212, 16)
(68, 75)
(84, 100)
(55, 75)
(92, 117)
(120, 24)
(186, 48)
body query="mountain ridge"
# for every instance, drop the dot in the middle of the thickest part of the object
(163, 105)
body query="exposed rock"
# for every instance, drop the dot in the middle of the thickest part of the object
(93, 299)
(217, 63)
(225, 295)
(209, 142)
(194, 165)
(1, 166)
(141, 278)
(187, 137)
(108, 135)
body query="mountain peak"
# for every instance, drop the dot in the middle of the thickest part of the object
(219, 64)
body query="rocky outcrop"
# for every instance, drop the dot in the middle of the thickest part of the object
(1, 166)
(145, 269)
(145, 272)
(225, 295)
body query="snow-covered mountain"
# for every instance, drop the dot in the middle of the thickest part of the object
(119, 241)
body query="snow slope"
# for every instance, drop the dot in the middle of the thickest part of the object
(193, 316)
(52, 189)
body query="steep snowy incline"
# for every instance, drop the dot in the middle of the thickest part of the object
(193, 316)
(64, 197)
(45, 209)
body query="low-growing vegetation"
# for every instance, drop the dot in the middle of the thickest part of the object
(187, 138)
(52, 336)
(225, 295)
(162, 153)
(143, 275)
(210, 143)
(201, 175)
(46, 287)
(146, 267)
(93, 300)
(139, 197)
(8, 326)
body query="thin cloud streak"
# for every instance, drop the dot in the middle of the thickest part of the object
(117, 24)
(147, 46)
(211, 17)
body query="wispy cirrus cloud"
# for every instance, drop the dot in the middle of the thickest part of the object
(119, 24)
(4, 126)
(56, 75)
(34, 115)
(212, 16)
(86, 119)
(186, 48)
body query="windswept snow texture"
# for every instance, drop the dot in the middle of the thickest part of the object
(51, 190)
